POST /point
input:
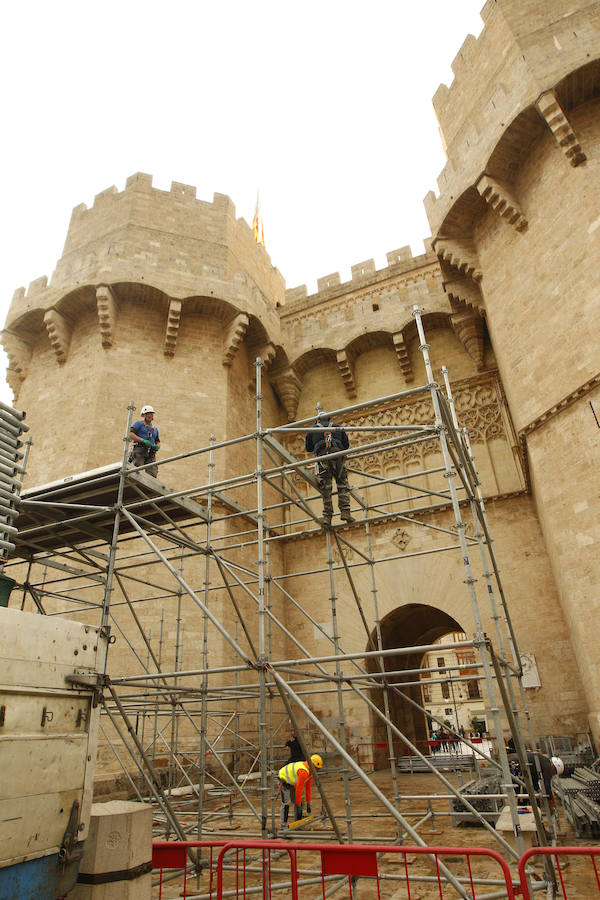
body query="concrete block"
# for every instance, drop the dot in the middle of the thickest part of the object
(120, 839)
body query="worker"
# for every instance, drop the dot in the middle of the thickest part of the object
(327, 437)
(146, 441)
(296, 778)
(295, 749)
(549, 766)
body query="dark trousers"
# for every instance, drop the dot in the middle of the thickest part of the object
(288, 792)
(327, 471)
(141, 456)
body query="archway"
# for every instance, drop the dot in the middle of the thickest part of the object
(413, 625)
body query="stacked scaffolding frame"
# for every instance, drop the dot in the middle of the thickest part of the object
(81, 528)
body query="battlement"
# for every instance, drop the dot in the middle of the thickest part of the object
(169, 239)
(525, 48)
(140, 184)
(364, 273)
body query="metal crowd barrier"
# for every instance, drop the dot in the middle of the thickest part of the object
(279, 868)
(559, 854)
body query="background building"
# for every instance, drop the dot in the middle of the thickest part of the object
(458, 700)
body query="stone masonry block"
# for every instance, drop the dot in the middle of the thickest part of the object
(297, 293)
(139, 181)
(403, 254)
(183, 190)
(38, 285)
(328, 281)
(105, 196)
(119, 839)
(363, 268)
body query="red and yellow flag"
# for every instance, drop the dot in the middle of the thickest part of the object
(257, 226)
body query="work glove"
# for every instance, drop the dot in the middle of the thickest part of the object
(156, 448)
(308, 809)
(298, 812)
(146, 442)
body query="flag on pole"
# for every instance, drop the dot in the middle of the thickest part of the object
(257, 225)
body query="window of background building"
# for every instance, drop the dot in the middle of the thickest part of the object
(473, 690)
(426, 695)
(448, 711)
(441, 662)
(446, 691)
(465, 658)
(458, 636)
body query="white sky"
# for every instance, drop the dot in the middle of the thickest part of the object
(325, 107)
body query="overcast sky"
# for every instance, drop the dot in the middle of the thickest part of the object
(324, 107)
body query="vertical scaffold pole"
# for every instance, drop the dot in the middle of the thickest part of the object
(479, 520)
(178, 660)
(479, 638)
(269, 652)
(482, 531)
(262, 659)
(338, 681)
(386, 699)
(204, 682)
(115, 534)
(504, 679)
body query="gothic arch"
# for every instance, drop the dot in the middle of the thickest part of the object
(411, 625)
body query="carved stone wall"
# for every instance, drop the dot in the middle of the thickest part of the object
(521, 124)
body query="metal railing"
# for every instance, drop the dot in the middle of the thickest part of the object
(264, 869)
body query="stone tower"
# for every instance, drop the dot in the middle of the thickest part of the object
(516, 227)
(153, 299)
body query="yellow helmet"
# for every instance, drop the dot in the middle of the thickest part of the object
(316, 761)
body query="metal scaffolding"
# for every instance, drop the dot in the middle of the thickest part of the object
(107, 544)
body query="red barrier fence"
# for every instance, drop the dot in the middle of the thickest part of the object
(246, 869)
(557, 854)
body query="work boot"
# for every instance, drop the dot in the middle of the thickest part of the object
(325, 521)
(347, 516)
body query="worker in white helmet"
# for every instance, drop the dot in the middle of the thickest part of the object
(294, 779)
(146, 441)
(548, 766)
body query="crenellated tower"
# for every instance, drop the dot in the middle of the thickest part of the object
(158, 297)
(516, 228)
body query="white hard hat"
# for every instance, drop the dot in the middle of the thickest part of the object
(146, 409)
(558, 765)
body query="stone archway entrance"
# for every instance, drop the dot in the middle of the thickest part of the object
(413, 625)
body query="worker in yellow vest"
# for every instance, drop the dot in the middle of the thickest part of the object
(296, 777)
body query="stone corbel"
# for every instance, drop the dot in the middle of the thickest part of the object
(346, 367)
(172, 329)
(19, 357)
(403, 356)
(468, 327)
(234, 336)
(465, 291)
(59, 334)
(550, 110)
(108, 309)
(267, 353)
(501, 199)
(288, 387)
(460, 253)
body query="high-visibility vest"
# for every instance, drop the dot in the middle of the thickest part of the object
(289, 773)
